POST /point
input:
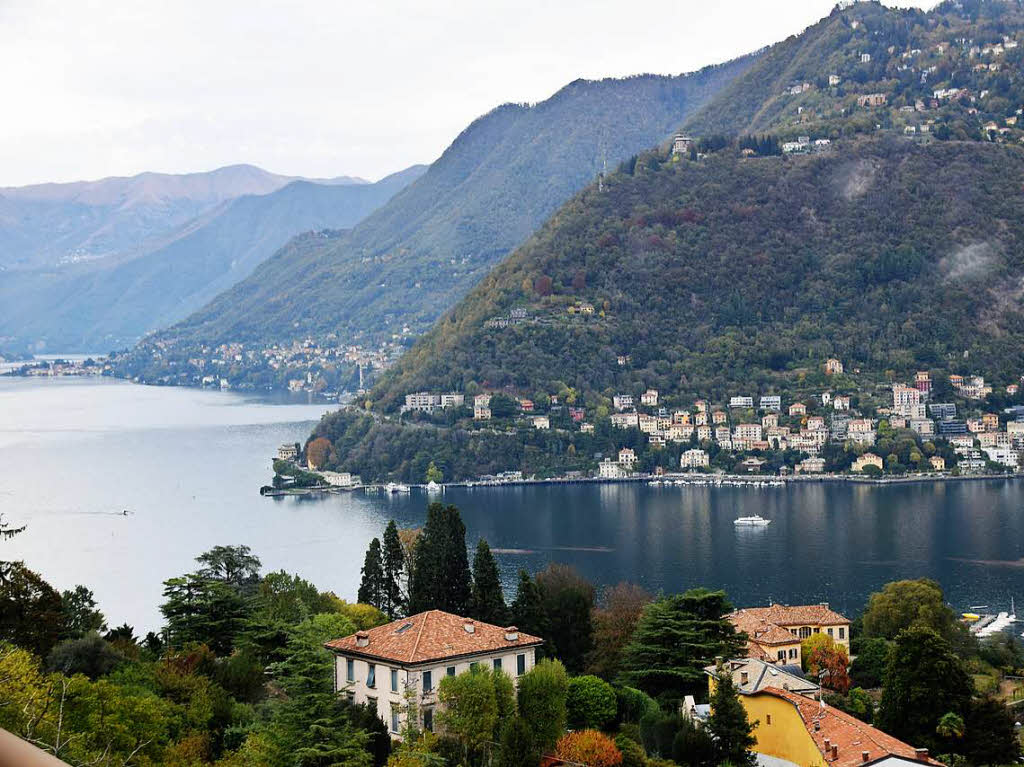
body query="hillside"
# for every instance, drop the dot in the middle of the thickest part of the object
(490, 189)
(98, 304)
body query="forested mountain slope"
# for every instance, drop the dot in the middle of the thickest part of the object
(490, 189)
(102, 304)
(733, 274)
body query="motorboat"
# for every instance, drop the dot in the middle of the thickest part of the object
(755, 521)
(395, 487)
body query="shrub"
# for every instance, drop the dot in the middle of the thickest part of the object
(590, 703)
(589, 747)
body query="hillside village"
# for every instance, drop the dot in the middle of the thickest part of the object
(837, 430)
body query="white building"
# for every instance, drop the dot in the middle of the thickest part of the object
(541, 422)
(1007, 456)
(627, 458)
(453, 400)
(339, 478)
(287, 452)
(649, 398)
(694, 459)
(741, 402)
(378, 666)
(771, 402)
(422, 401)
(610, 469)
(623, 401)
(482, 407)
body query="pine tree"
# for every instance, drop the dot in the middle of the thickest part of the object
(527, 609)
(728, 724)
(488, 599)
(371, 588)
(393, 560)
(441, 579)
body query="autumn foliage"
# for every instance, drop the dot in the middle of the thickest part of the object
(589, 747)
(825, 654)
(317, 452)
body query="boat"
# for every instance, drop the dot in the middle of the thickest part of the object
(755, 521)
(433, 487)
(395, 487)
(971, 617)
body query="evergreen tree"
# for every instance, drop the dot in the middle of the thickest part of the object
(441, 579)
(393, 560)
(80, 614)
(527, 609)
(729, 726)
(676, 638)
(371, 588)
(205, 611)
(235, 566)
(568, 600)
(488, 599)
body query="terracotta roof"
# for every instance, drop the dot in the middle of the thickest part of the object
(795, 615)
(430, 636)
(760, 630)
(849, 735)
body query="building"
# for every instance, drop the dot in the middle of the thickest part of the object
(923, 382)
(990, 421)
(942, 411)
(649, 398)
(833, 367)
(627, 458)
(423, 402)
(796, 729)
(1005, 456)
(747, 432)
(906, 399)
(681, 144)
(774, 633)
(925, 427)
(938, 463)
(741, 402)
(623, 401)
(288, 452)
(610, 469)
(694, 459)
(841, 402)
(625, 420)
(411, 655)
(452, 399)
(339, 478)
(771, 402)
(541, 422)
(797, 409)
(813, 465)
(770, 420)
(718, 417)
(868, 459)
(834, 80)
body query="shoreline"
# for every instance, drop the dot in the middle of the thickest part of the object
(698, 480)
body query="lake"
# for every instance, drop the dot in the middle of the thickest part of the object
(187, 464)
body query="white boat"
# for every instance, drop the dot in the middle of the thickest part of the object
(433, 487)
(755, 521)
(394, 487)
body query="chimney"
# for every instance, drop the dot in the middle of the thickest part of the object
(828, 744)
(512, 634)
(362, 639)
(864, 756)
(824, 604)
(835, 752)
(921, 754)
(469, 625)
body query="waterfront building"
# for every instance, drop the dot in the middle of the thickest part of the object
(774, 633)
(380, 666)
(610, 469)
(694, 459)
(288, 452)
(868, 459)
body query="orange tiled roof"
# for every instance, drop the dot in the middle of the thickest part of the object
(760, 630)
(430, 636)
(795, 615)
(849, 735)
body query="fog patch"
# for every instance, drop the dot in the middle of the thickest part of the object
(855, 179)
(970, 262)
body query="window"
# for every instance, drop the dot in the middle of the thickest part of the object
(767, 718)
(371, 675)
(842, 633)
(350, 670)
(805, 631)
(744, 677)
(451, 671)
(394, 680)
(792, 652)
(474, 666)
(781, 655)
(394, 717)
(830, 632)
(817, 630)
(520, 665)
(428, 719)
(428, 681)
(497, 664)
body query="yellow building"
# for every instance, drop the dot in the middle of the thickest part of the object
(774, 633)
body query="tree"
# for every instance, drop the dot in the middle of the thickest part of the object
(567, 599)
(393, 562)
(614, 622)
(527, 609)
(90, 655)
(434, 474)
(441, 579)
(469, 710)
(542, 701)
(371, 587)
(200, 610)
(80, 616)
(589, 747)
(235, 566)
(31, 613)
(989, 735)
(827, 660)
(590, 703)
(676, 638)
(517, 745)
(488, 600)
(923, 681)
(905, 604)
(318, 452)
(730, 729)
(870, 662)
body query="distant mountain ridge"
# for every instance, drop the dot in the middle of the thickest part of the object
(109, 302)
(499, 179)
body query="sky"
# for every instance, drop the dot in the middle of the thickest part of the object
(323, 88)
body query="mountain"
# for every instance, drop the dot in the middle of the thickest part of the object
(413, 258)
(46, 225)
(101, 304)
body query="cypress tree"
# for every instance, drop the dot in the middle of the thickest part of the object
(371, 588)
(393, 560)
(488, 599)
(441, 578)
(527, 609)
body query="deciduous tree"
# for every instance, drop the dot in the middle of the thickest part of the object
(614, 622)
(542, 701)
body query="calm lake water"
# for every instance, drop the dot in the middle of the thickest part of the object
(188, 464)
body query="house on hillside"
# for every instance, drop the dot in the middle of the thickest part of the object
(865, 460)
(381, 666)
(694, 459)
(833, 367)
(797, 409)
(774, 633)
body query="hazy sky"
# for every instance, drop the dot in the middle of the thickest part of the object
(328, 88)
